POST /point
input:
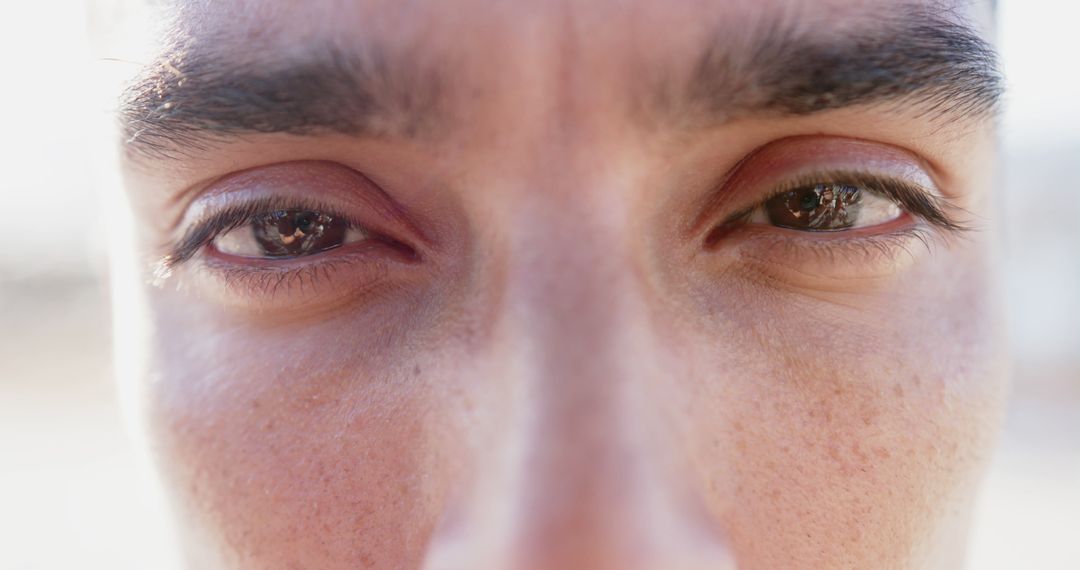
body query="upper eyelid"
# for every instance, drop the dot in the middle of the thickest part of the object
(307, 182)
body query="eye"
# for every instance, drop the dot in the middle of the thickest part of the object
(826, 207)
(287, 233)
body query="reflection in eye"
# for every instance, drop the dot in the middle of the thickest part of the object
(827, 207)
(288, 233)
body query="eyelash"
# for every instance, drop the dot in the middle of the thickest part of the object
(203, 233)
(267, 280)
(910, 197)
(861, 249)
(925, 219)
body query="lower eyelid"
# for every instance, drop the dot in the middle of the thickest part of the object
(826, 260)
(825, 238)
(299, 285)
(275, 284)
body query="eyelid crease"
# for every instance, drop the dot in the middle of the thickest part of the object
(350, 185)
(911, 196)
(204, 231)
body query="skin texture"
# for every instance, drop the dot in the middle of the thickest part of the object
(570, 373)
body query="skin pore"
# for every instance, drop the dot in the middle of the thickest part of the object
(524, 285)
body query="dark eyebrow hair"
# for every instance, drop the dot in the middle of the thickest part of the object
(915, 57)
(197, 95)
(192, 97)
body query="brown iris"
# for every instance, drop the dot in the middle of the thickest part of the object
(821, 207)
(290, 233)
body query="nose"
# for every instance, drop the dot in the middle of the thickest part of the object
(579, 469)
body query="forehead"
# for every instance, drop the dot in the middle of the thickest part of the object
(600, 50)
(634, 28)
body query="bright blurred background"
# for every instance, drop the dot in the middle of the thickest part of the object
(71, 493)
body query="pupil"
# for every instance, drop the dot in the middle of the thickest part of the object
(810, 200)
(304, 221)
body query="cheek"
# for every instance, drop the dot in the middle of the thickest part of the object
(850, 434)
(295, 445)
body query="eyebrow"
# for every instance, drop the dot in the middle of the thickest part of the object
(191, 98)
(914, 57)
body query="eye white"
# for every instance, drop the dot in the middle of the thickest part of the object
(875, 209)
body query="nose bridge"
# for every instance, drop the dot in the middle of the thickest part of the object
(576, 301)
(573, 306)
(572, 481)
(574, 297)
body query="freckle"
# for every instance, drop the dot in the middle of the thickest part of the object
(898, 389)
(857, 450)
(834, 452)
(416, 370)
(740, 444)
(870, 413)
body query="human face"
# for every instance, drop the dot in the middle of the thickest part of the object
(494, 285)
